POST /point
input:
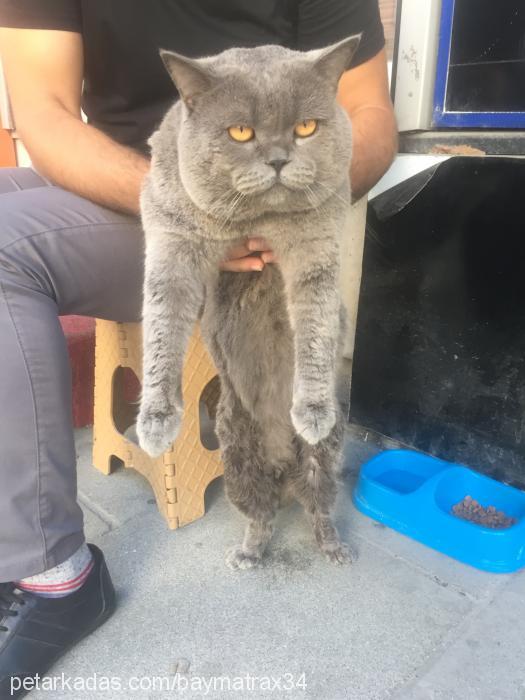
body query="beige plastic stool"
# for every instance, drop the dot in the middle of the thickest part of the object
(179, 478)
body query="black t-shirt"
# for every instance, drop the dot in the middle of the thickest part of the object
(126, 88)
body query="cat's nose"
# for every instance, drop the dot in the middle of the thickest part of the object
(278, 164)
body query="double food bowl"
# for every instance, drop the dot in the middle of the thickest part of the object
(414, 494)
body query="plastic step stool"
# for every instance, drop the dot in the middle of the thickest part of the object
(179, 478)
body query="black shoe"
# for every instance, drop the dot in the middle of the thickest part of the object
(36, 631)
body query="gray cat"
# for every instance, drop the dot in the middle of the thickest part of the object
(257, 145)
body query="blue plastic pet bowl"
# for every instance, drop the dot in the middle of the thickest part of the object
(414, 494)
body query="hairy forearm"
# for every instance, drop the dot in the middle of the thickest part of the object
(82, 159)
(374, 147)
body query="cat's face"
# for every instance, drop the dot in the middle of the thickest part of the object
(261, 129)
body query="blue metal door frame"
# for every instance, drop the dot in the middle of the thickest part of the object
(441, 117)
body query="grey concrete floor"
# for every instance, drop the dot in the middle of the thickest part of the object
(402, 622)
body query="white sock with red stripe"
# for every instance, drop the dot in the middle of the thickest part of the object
(63, 579)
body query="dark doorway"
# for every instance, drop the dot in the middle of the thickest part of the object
(440, 348)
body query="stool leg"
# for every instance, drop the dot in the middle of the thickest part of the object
(106, 364)
(195, 466)
(179, 478)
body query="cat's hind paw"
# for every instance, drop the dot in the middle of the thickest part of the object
(157, 430)
(339, 554)
(236, 559)
(313, 421)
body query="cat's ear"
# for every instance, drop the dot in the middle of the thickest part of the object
(191, 78)
(332, 61)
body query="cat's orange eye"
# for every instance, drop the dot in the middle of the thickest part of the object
(241, 133)
(305, 128)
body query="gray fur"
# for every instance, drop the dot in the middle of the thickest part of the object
(274, 335)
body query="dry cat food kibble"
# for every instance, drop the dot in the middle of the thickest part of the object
(470, 509)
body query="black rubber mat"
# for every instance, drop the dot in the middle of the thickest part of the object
(440, 349)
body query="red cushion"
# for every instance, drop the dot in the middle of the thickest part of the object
(80, 337)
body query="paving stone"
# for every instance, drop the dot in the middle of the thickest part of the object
(355, 632)
(401, 622)
(117, 497)
(487, 661)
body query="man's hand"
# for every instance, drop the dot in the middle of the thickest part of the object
(250, 256)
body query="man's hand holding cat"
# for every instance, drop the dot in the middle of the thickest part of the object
(251, 256)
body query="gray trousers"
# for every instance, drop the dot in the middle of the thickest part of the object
(59, 254)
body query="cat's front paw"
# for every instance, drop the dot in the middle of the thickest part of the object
(312, 420)
(157, 430)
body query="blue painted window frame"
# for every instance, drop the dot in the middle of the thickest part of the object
(443, 118)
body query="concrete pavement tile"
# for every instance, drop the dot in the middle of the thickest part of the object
(117, 497)
(487, 660)
(356, 632)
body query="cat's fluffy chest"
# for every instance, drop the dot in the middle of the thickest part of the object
(283, 231)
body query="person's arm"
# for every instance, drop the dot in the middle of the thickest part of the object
(363, 92)
(44, 71)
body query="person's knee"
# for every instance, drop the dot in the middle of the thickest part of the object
(17, 179)
(19, 265)
(19, 224)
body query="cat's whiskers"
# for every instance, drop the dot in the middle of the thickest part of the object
(310, 197)
(221, 207)
(231, 210)
(333, 193)
(221, 202)
(316, 204)
(234, 204)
